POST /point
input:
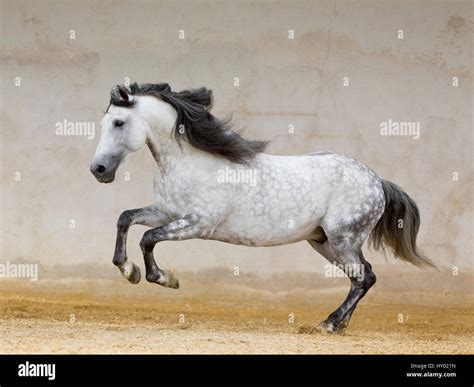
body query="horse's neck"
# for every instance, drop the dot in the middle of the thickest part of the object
(168, 153)
(164, 147)
(161, 118)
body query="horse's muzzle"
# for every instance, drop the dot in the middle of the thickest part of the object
(103, 173)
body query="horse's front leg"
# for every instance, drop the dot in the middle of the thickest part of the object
(188, 227)
(148, 216)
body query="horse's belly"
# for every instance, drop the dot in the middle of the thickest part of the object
(254, 230)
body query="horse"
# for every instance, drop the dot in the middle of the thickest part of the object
(332, 201)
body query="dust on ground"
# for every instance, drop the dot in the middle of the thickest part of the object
(216, 312)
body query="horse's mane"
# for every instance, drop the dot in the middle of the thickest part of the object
(195, 123)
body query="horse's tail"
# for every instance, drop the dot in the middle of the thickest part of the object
(398, 227)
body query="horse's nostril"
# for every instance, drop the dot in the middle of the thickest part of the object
(100, 169)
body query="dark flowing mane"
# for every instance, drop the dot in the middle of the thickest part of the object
(195, 123)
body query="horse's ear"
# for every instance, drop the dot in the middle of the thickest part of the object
(120, 96)
(125, 94)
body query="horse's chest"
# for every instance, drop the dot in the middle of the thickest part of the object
(178, 195)
(170, 195)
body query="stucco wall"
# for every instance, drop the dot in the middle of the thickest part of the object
(283, 82)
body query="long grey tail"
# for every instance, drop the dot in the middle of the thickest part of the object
(398, 227)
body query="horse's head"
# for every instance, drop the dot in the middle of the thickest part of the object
(135, 110)
(123, 132)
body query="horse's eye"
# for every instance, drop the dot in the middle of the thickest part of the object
(118, 123)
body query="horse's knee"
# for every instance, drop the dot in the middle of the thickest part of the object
(147, 242)
(124, 220)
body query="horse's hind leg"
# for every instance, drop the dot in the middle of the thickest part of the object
(359, 272)
(148, 216)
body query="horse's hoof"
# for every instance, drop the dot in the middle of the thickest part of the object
(331, 328)
(131, 272)
(325, 327)
(169, 280)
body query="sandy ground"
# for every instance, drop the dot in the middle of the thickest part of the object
(108, 315)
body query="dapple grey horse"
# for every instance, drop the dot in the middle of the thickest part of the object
(332, 201)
